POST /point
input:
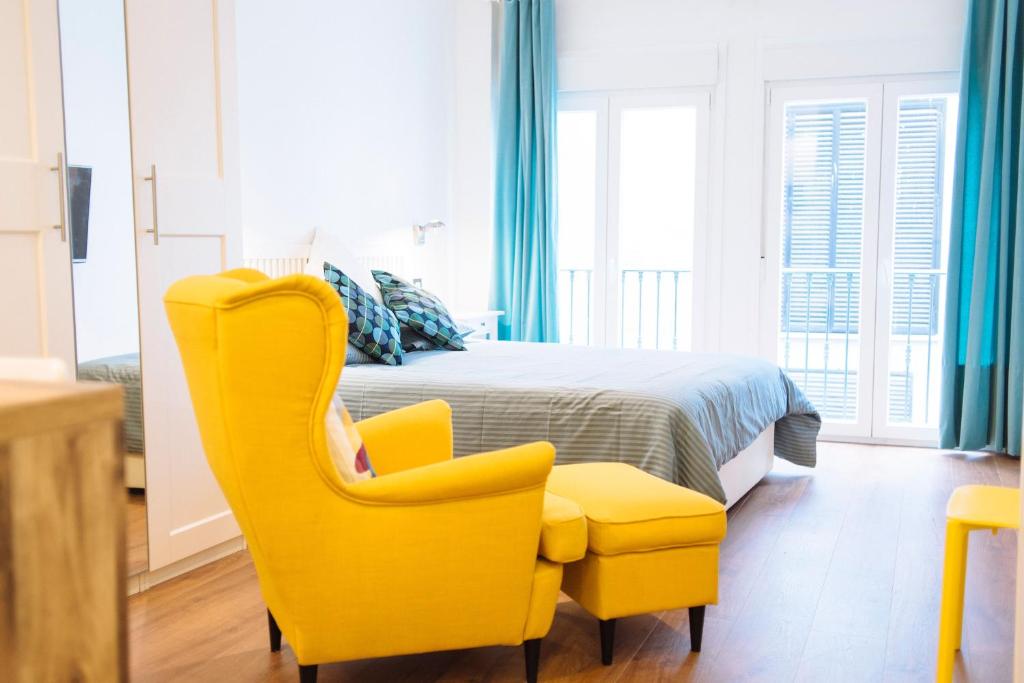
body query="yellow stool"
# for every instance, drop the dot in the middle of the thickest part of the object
(651, 546)
(970, 508)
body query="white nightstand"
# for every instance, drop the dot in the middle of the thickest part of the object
(484, 323)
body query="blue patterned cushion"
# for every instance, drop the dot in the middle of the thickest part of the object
(371, 327)
(420, 310)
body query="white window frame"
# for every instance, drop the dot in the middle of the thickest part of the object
(886, 229)
(779, 97)
(599, 104)
(882, 96)
(609, 106)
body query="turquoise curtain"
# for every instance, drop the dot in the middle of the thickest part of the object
(525, 274)
(983, 352)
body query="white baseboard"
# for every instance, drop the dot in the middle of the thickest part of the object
(146, 580)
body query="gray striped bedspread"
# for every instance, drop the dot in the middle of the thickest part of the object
(679, 416)
(123, 369)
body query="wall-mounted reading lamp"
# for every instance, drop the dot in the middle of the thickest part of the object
(419, 232)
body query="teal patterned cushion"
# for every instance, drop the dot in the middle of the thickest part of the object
(420, 310)
(371, 327)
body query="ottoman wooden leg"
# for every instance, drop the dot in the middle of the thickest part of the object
(696, 627)
(607, 627)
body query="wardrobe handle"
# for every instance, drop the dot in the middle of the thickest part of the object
(59, 169)
(151, 178)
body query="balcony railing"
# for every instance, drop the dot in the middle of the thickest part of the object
(819, 332)
(819, 336)
(654, 307)
(574, 305)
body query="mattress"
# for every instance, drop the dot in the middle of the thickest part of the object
(679, 416)
(124, 370)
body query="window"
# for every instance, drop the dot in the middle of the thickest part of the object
(631, 193)
(577, 216)
(823, 222)
(860, 197)
(921, 195)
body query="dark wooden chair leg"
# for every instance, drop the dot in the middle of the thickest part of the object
(307, 674)
(607, 627)
(696, 627)
(275, 633)
(531, 648)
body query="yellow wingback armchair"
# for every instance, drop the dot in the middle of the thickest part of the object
(433, 554)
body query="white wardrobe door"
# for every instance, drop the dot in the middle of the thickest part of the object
(181, 83)
(35, 265)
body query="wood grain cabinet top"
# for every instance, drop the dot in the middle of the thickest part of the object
(62, 573)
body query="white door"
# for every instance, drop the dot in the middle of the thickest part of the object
(918, 149)
(822, 204)
(182, 100)
(632, 202)
(35, 263)
(858, 195)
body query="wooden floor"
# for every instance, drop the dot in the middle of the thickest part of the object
(830, 574)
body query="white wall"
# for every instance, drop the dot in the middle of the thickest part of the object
(473, 168)
(96, 126)
(732, 50)
(346, 116)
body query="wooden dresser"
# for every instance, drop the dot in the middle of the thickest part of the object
(62, 577)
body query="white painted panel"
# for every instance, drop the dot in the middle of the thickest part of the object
(20, 190)
(183, 495)
(173, 54)
(181, 72)
(23, 333)
(16, 117)
(36, 273)
(673, 67)
(190, 205)
(794, 61)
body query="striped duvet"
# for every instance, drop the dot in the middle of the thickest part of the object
(679, 416)
(123, 369)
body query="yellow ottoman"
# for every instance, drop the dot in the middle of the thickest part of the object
(651, 546)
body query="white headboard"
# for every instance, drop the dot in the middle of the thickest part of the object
(280, 259)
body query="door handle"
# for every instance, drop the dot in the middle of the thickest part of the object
(155, 230)
(59, 169)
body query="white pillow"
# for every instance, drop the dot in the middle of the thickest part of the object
(331, 248)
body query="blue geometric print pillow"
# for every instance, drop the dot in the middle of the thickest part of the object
(371, 326)
(420, 310)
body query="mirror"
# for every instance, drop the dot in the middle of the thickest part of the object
(100, 214)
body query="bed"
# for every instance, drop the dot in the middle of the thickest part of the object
(710, 422)
(124, 370)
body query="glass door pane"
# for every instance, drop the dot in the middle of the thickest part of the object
(925, 142)
(657, 183)
(823, 201)
(577, 220)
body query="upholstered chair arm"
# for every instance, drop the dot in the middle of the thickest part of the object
(409, 437)
(563, 530)
(473, 476)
